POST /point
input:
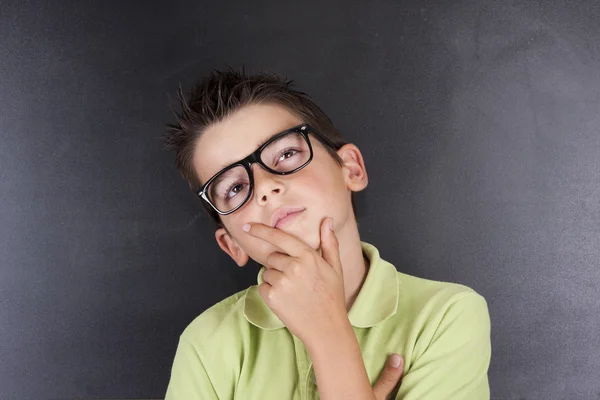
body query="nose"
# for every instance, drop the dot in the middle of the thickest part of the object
(266, 184)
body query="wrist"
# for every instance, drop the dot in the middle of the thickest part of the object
(338, 338)
(339, 366)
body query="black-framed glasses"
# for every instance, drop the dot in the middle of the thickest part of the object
(285, 153)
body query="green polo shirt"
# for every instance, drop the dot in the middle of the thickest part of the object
(239, 349)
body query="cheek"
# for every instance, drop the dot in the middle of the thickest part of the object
(256, 248)
(325, 189)
(259, 250)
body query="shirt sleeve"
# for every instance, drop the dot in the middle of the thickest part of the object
(189, 378)
(456, 362)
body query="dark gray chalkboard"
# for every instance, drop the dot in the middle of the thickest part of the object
(479, 122)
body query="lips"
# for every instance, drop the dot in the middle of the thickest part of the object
(282, 213)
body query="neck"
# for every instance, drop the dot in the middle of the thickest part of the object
(354, 264)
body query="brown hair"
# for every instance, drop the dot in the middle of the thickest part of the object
(222, 93)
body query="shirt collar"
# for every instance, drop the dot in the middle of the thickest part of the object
(376, 301)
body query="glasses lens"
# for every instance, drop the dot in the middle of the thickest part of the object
(286, 153)
(229, 189)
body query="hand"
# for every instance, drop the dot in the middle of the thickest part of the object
(304, 289)
(388, 380)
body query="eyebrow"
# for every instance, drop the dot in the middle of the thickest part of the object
(267, 139)
(258, 146)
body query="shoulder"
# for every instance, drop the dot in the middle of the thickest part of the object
(433, 300)
(222, 321)
(423, 292)
(452, 315)
(209, 352)
(445, 338)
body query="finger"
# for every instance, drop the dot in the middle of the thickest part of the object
(278, 238)
(330, 247)
(278, 261)
(272, 276)
(264, 290)
(389, 378)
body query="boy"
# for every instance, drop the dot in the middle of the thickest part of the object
(275, 174)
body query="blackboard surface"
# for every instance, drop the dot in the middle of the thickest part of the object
(479, 123)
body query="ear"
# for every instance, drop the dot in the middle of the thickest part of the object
(355, 173)
(231, 247)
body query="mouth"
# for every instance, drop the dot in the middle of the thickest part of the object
(286, 218)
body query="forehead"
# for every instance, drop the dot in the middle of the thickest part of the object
(238, 135)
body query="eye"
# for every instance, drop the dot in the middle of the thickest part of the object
(232, 188)
(289, 152)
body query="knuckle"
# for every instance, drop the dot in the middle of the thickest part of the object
(334, 238)
(263, 290)
(295, 266)
(387, 378)
(311, 256)
(267, 275)
(270, 295)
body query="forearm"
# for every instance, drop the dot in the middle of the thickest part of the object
(339, 366)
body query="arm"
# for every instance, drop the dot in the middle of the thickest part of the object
(189, 379)
(339, 366)
(456, 362)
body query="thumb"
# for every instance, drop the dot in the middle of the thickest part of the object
(389, 378)
(330, 249)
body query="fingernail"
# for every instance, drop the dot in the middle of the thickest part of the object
(330, 223)
(395, 361)
(246, 228)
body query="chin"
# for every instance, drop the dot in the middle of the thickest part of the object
(312, 239)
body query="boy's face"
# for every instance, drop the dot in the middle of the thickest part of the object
(322, 188)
